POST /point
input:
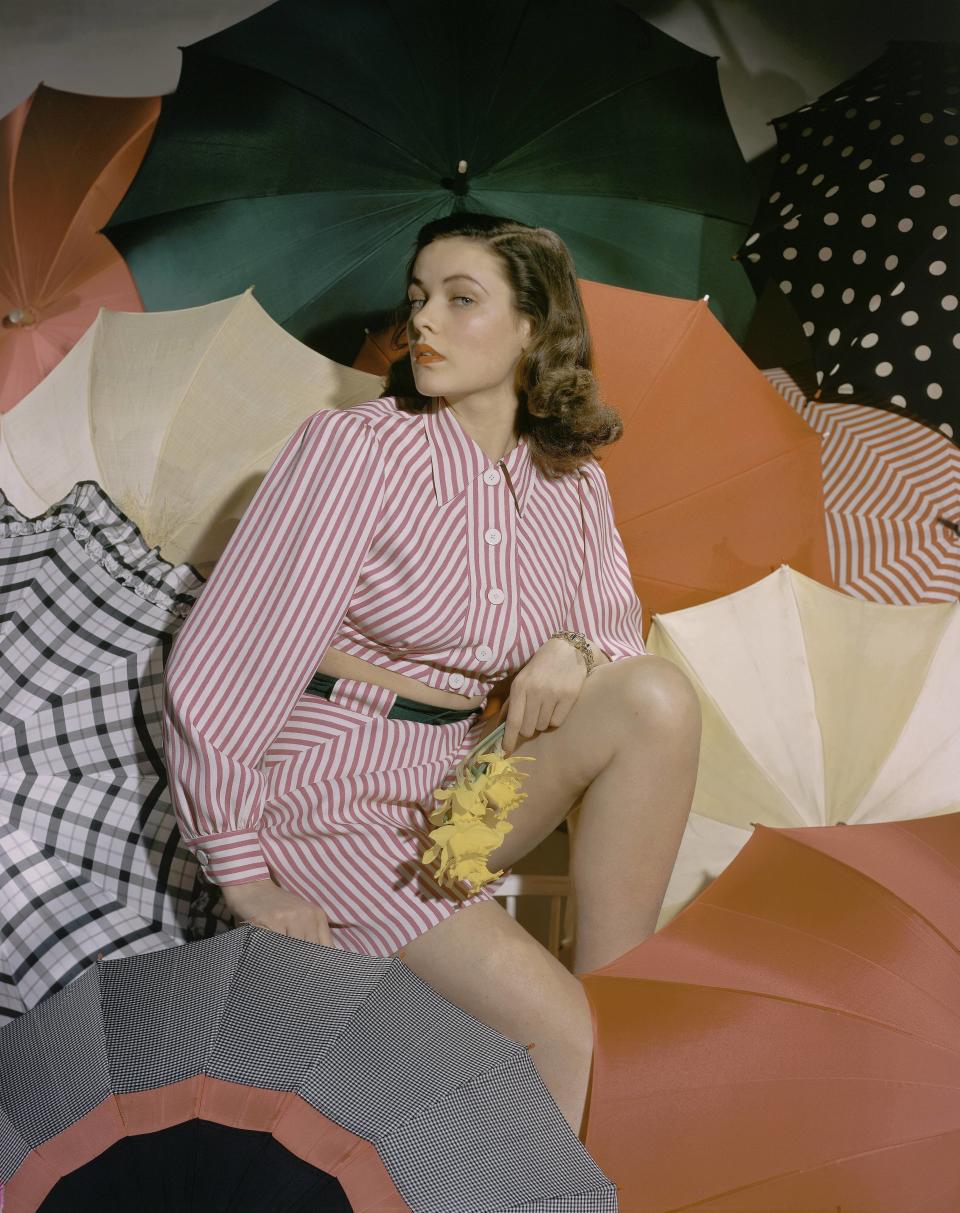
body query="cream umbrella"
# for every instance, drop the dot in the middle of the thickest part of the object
(176, 415)
(818, 709)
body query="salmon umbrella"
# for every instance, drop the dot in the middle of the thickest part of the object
(790, 1041)
(176, 415)
(715, 481)
(892, 493)
(66, 161)
(818, 708)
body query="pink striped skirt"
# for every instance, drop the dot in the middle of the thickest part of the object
(345, 821)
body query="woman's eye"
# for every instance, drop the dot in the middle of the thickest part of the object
(465, 297)
(414, 302)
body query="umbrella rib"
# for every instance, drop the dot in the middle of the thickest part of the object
(10, 202)
(500, 78)
(336, 109)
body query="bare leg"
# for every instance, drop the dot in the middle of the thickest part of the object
(484, 961)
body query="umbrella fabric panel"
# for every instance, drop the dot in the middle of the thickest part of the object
(89, 614)
(891, 490)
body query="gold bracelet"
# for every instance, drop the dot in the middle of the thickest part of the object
(581, 644)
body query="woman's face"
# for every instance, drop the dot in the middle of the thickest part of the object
(462, 306)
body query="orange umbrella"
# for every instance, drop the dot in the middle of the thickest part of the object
(790, 1040)
(715, 481)
(66, 161)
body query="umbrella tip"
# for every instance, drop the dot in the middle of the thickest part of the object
(706, 299)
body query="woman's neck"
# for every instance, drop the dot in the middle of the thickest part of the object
(491, 433)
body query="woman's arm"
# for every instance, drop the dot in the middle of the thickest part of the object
(606, 608)
(259, 630)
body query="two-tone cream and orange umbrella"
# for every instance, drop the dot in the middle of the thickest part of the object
(66, 160)
(715, 481)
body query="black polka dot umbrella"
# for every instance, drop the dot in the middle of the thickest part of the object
(861, 228)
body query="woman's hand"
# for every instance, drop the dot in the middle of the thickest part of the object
(264, 904)
(543, 692)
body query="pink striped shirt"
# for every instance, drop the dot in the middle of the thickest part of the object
(393, 537)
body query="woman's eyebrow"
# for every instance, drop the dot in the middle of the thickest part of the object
(451, 278)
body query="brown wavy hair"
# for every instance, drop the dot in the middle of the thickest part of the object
(560, 414)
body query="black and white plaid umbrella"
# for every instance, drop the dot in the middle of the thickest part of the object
(255, 1071)
(90, 856)
(861, 228)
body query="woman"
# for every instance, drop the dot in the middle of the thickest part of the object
(401, 559)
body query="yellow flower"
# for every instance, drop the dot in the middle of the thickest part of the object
(472, 818)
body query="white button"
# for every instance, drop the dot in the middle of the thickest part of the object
(492, 535)
(456, 680)
(484, 653)
(491, 476)
(202, 857)
(495, 595)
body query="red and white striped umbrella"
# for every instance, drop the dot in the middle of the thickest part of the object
(892, 499)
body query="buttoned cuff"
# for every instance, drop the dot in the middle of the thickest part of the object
(233, 858)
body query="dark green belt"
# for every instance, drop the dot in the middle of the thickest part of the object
(403, 708)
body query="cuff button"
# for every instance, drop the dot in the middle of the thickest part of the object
(202, 857)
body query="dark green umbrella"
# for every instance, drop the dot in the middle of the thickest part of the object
(306, 145)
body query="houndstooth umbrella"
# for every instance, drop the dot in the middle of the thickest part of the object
(256, 1071)
(90, 859)
(861, 229)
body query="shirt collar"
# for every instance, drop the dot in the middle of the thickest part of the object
(457, 460)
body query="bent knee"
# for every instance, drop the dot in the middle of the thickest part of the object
(660, 694)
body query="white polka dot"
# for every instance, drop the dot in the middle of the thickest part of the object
(784, 159)
(816, 180)
(774, 197)
(817, 290)
(898, 400)
(850, 113)
(864, 164)
(899, 288)
(868, 220)
(896, 140)
(874, 302)
(753, 256)
(951, 140)
(916, 191)
(789, 253)
(909, 318)
(949, 303)
(825, 253)
(849, 295)
(835, 368)
(956, 341)
(751, 239)
(869, 340)
(858, 256)
(845, 389)
(904, 225)
(922, 353)
(809, 327)
(947, 429)
(934, 391)
(834, 189)
(891, 262)
(939, 232)
(831, 218)
(938, 267)
(917, 158)
(785, 210)
(801, 168)
(847, 151)
(819, 376)
(875, 124)
(954, 199)
(833, 336)
(786, 286)
(807, 130)
(926, 118)
(877, 185)
(883, 369)
(826, 140)
(792, 223)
